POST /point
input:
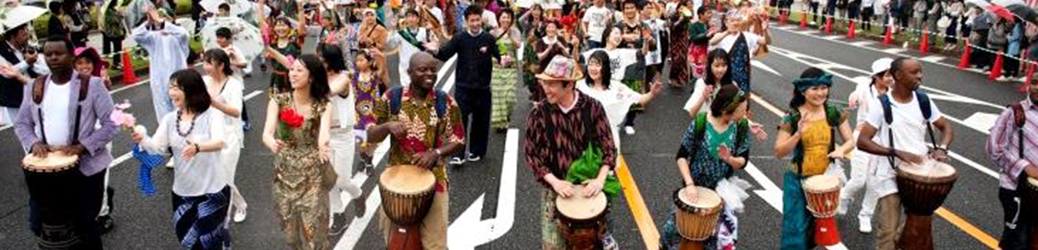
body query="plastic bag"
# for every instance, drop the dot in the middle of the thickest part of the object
(733, 191)
(586, 168)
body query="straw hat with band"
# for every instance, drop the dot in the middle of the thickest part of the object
(561, 68)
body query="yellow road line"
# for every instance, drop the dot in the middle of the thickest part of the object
(642, 217)
(962, 224)
(978, 234)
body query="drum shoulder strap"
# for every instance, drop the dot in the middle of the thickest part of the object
(1020, 119)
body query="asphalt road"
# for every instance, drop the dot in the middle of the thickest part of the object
(494, 204)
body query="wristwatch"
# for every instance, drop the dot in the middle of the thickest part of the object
(942, 148)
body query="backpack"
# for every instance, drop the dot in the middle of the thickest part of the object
(396, 95)
(1020, 118)
(888, 116)
(832, 117)
(37, 97)
(699, 134)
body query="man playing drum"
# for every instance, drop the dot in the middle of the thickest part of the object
(1012, 146)
(66, 199)
(555, 138)
(908, 130)
(422, 135)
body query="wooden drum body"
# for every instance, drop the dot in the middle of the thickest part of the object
(823, 197)
(923, 189)
(582, 220)
(45, 178)
(697, 221)
(407, 194)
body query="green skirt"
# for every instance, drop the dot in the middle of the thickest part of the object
(502, 86)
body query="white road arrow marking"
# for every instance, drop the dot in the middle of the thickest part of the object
(981, 120)
(468, 231)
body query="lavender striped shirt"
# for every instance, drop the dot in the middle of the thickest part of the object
(1003, 144)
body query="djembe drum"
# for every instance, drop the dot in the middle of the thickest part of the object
(696, 221)
(923, 189)
(407, 194)
(823, 197)
(43, 177)
(1028, 188)
(581, 219)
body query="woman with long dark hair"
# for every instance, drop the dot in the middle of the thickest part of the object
(286, 43)
(615, 97)
(809, 132)
(226, 92)
(195, 135)
(341, 141)
(297, 133)
(705, 88)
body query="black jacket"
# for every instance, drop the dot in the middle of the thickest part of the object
(474, 63)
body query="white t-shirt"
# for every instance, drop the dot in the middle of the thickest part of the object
(619, 60)
(406, 51)
(656, 56)
(237, 57)
(752, 42)
(55, 107)
(202, 174)
(909, 134)
(616, 101)
(489, 19)
(232, 95)
(697, 91)
(343, 109)
(597, 19)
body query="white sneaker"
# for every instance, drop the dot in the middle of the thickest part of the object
(239, 215)
(629, 130)
(865, 226)
(842, 208)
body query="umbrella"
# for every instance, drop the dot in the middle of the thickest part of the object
(1023, 12)
(11, 18)
(238, 7)
(246, 36)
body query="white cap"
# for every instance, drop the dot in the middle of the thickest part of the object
(880, 65)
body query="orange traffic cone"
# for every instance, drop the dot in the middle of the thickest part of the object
(924, 43)
(889, 38)
(996, 70)
(850, 30)
(1027, 80)
(964, 61)
(128, 77)
(828, 25)
(803, 20)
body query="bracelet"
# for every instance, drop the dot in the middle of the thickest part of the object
(197, 148)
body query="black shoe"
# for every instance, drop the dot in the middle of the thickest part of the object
(473, 158)
(263, 67)
(106, 223)
(338, 224)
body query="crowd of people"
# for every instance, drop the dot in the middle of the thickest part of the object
(590, 68)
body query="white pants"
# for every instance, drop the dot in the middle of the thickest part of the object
(863, 175)
(343, 144)
(105, 210)
(229, 162)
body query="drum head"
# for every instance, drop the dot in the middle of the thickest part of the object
(707, 198)
(929, 168)
(821, 182)
(578, 207)
(52, 160)
(407, 179)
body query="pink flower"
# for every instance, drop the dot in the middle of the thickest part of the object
(124, 120)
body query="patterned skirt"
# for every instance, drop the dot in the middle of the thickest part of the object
(300, 190)
(502, 87)
(199, 220)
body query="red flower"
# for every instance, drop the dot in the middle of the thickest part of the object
(291, 118)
